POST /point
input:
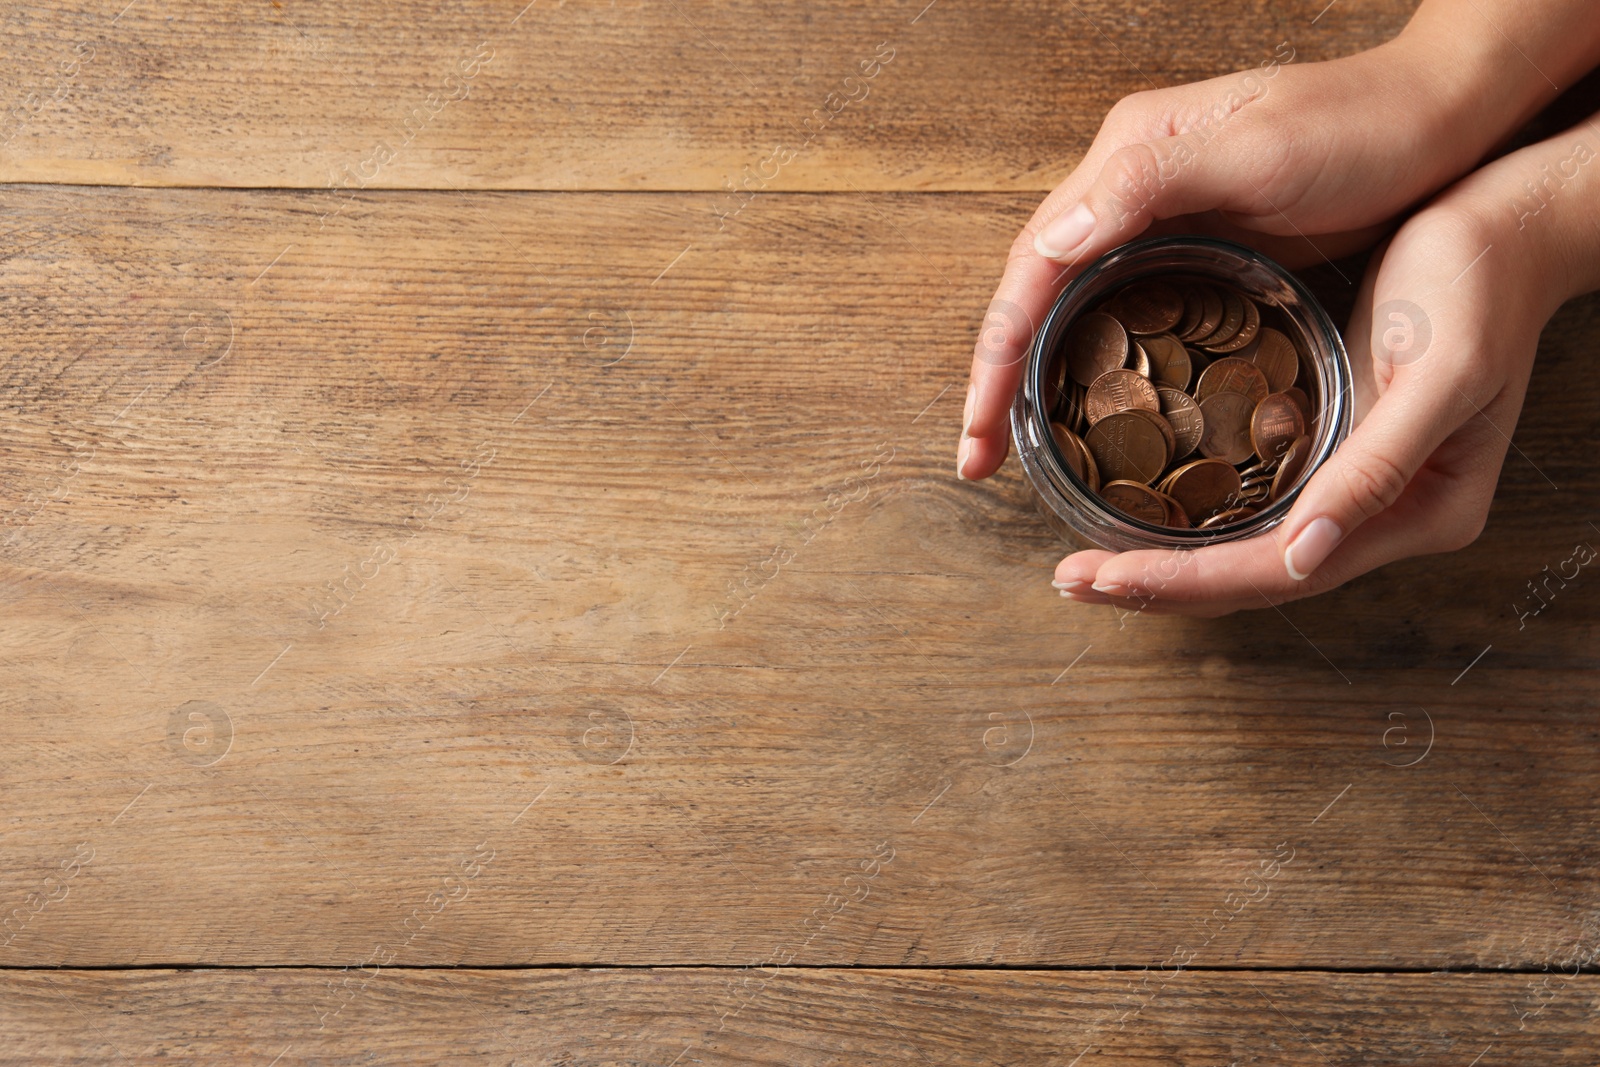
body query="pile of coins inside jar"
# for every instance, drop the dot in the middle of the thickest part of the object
(1175, 399)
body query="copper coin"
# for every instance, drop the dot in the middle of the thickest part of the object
(1231, 374)
(1169, 360)
(1210, 314)
(1198, 362)
(1247, 330)
(1275, 425)
(1067, 445)
(1125, 447)
(1139, 359)
(1232, 319)
(1276, 359)
(1175, 512)
(1226, 517)
(1300, 399)
(1095, 344)
(1091, 473)
(1204, 488)
(1119, 390)
(1194, 310)
(1139, 501)
(1293, 465)
(1056, 386)
(1227, 431)
(1147, 307)
(1162, 426)
(1183, 415)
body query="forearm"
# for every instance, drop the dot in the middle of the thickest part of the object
(1554, 190)
(1494, 64)
(1536, 215)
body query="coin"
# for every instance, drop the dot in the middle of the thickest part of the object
(1139, 359)
(1125, 447)
(1225, 517)
(1300, 399)
(1204, 487)
(1140, 501)
(1232, 319)
(1276, 359)
(1095, 344)
(1147, 307)
(1227, 429)
(1055, 388)
(1119, 390)
(1076, 455)
(1275, 425)
(1194, 310)
(1169, 360)
(1231, 374)
(1163, 427)
(1175, 513)
(1210, 314)
(1247, 329)
(1289, 470)
(1090, 471)
(1183, 415)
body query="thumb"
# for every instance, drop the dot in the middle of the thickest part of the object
(1371, 469)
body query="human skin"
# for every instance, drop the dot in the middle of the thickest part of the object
(1318, 162)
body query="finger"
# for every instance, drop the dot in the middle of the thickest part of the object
(1159, 179)
(1437, 511)
(1028, 287)
(1026, 291)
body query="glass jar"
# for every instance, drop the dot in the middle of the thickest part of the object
(1068, 505)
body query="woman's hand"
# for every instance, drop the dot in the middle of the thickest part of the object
(1302, 162)
(1442, 342)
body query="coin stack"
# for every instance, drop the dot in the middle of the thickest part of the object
(1175, 400)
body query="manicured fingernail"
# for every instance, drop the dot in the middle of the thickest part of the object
(1081, 597)
(966, 412)
(1110, 588)
(1313, 545)
(962, 452)
(1064, 233)
(1068, 586)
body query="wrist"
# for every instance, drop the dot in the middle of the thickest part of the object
(1486, 84)
(1535, 214)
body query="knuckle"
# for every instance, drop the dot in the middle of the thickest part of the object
(1466, 532)
(1132, 109)
(1463, 529)
(1132, 176)
(1372, 482)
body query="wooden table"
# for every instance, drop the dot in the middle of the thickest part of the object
(478, 590)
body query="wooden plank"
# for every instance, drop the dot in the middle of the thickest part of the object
(582, 95)
(554, 578)
(796, 1017)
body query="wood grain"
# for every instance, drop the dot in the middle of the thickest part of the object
(686, 95)
(796, 1017)
(559, 579)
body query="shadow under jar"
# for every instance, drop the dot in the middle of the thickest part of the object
(1137, 355)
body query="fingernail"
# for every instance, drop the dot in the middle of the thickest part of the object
(1068, 586)
(1110, 588)
(1313, 545)
(966, 412)
(962, 452)
(1080, 597)
(1064, 233)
